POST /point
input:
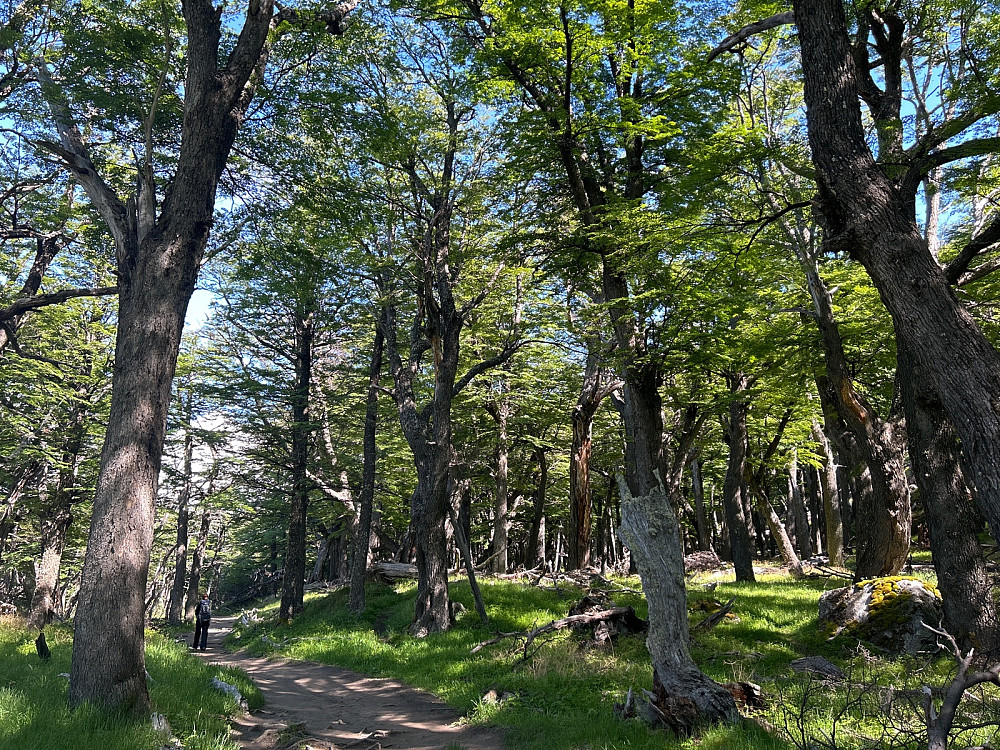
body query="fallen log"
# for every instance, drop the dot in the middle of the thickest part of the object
(393, 571)
(529, 636)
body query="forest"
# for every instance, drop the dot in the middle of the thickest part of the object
(473, 291)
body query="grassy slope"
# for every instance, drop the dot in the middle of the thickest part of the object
(563, 695)
(34, 715)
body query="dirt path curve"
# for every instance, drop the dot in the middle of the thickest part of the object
(329, 708)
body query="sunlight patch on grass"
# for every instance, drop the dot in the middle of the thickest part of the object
(35, 714)
(562, 695)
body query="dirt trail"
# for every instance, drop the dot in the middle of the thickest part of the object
(328, 708)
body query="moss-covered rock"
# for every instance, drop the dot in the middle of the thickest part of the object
(887, 612)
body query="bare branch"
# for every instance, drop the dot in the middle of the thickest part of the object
(581, 619)
(477, 300)
(778, 19)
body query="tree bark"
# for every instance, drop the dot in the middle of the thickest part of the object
(650, 530)
(501, 499)
(882, 540)
(56, 513)
(175, 609)
(831, 499)
(580, 503)
(649, 525)
(701, 517)
(778, 532)
(803, 537)
(736, 521)
(46, 249)
(362, 540)
(157, 261)
(952, 517)
(458, 489)
(535, 551)
(54, 523)
(295, 557)
(871, 215)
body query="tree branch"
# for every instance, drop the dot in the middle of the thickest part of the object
(74, 155)
(43, 300)
(989, 236)
(778, 19)
(972, 147)
(13, 342)
(481, 367)
(582, 619)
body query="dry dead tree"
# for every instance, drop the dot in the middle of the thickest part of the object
(939, 722)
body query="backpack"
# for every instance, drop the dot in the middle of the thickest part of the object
(204, 609)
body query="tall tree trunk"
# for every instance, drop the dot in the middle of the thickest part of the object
(459, 488)
(197, 560)
(649, 525)
(952, 517)
(157, 262)
(579, 462)
(295, 557)
(732, 501)
(501, 511)
(428, 432)
(54, 522)
(882, 539)
(429, 511)
(649, 528)
(643, 488)
(701, 517)
(56, 516)
(175, 609)
(778, 532)
(436, 329)
(831, 499)
(325, 551)
(871, 216)
(362, 540)
(535, 551)
(803, 537)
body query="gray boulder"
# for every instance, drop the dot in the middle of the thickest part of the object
(887, 612)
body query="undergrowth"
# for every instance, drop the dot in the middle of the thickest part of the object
(561, 695)
(34, 714)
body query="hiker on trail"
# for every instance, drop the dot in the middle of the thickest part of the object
(202, 618)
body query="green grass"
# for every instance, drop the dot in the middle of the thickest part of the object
(562, 696)
(34, 714)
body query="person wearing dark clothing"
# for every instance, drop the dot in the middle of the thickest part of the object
(202, 618)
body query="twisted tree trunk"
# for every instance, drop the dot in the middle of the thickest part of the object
(871, 216)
